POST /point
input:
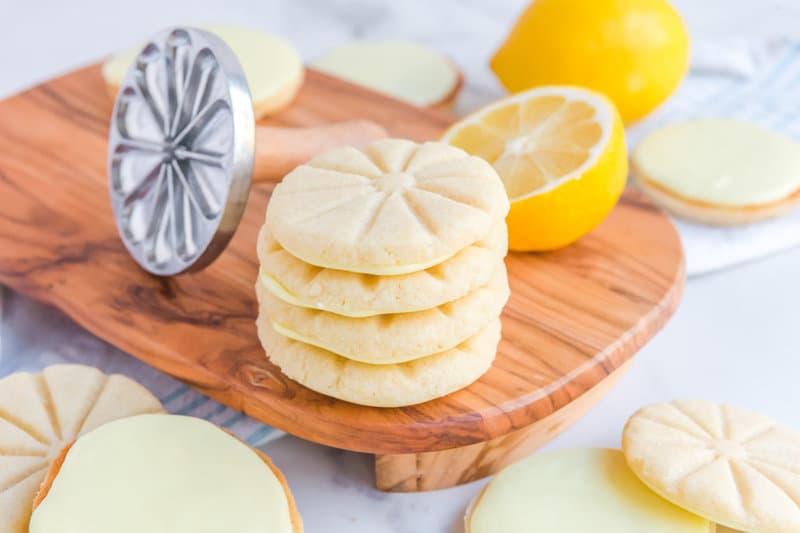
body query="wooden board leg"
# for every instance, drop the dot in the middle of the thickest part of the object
(417, 472)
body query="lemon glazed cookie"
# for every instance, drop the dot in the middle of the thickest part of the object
(575, 491)
(719, 172)
(732, 466)
(387, 339)
(394, 385)
(40, 413)
(358, 295)
(163, 473)
(397, 207)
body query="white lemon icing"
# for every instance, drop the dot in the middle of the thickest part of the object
(279, 291)
(582, 489)
(385, 270)
(721, 162)
(162, 474)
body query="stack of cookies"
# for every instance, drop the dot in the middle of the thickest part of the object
(382, 275)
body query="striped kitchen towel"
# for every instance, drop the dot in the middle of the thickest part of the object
(753, 81)
(33, 336)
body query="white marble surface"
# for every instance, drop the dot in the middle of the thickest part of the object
(733, 339)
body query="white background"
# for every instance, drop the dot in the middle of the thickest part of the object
(734, 338)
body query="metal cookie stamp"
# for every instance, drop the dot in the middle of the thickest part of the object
(184, 148)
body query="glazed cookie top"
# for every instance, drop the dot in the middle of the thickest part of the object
(732, 466)
(162, 473)
(720, 162)
(397, 207)
(570, 490)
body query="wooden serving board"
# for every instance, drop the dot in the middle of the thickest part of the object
(575, 317)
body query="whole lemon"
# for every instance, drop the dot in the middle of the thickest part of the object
(634, 51)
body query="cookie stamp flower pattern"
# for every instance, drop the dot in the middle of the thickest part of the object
(174, 152)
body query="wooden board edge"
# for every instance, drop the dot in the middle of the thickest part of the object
(427, 471)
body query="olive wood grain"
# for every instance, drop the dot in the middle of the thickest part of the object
(575, 315)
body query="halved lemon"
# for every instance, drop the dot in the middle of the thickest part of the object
(561, 154)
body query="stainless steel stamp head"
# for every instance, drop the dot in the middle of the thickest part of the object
(181, 148)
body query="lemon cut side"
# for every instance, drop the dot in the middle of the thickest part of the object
(561, 154)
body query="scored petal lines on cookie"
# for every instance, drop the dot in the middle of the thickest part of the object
(37, 468)
(747, 469)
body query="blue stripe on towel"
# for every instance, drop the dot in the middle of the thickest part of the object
(237, 417)
(174, 395)
(197, 402)
(259, 434)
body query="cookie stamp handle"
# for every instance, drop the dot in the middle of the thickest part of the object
(279, 150)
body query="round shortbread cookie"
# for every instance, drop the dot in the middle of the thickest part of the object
(732, 466)
(397, 385)
(389, 339)
(40, 413)
(575, 491)
(359, 295)
(397, 207)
